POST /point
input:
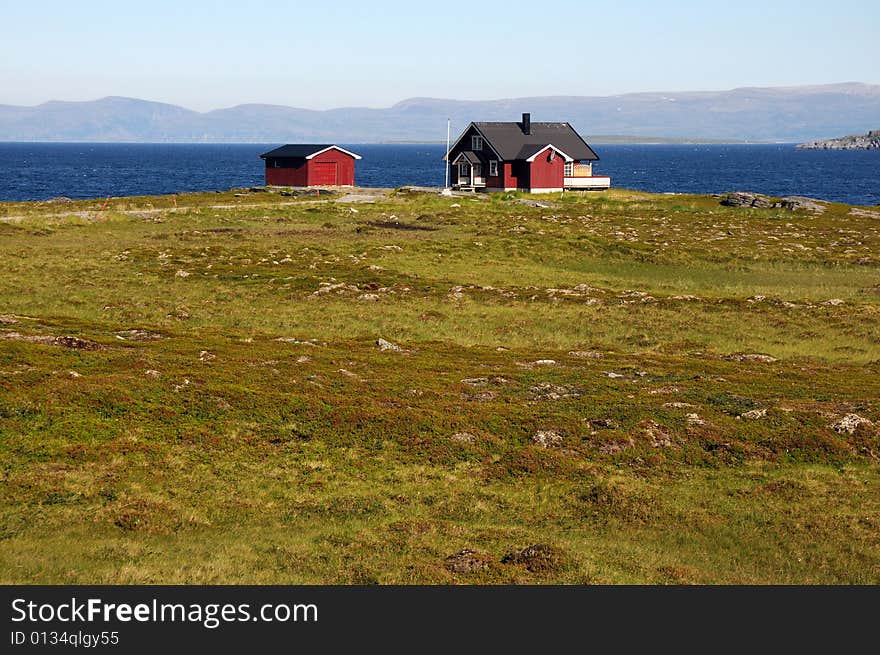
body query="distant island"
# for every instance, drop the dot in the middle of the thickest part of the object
(869, 141)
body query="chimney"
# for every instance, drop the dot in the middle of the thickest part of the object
(527, 124)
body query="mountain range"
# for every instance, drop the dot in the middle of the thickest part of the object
(783, 114)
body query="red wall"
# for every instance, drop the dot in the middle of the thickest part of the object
(287, 176)
(546, 174)
(299, 172)
(516, 175)
(344, 166)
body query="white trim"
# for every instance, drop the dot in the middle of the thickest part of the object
(550, 145)
(347, 152)
(481, 141)
(493, 163)
(540, 190)
(462, 135)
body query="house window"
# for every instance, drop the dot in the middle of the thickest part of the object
(276, 163)
(476, 143)
(493, 167)
(569, 168)
(462, 169)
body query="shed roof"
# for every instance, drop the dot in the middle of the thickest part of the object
(304, 151)
(510, 142)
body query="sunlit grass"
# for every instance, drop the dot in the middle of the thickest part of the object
(212, 452)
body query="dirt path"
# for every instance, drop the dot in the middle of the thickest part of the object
(353, 196)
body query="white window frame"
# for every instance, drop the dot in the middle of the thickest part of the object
(569, 169)
(478, 170)
(462, 169)
(493, 167)
(476, 142)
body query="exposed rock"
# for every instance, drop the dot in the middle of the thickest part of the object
(754, 414)
(464, 437)
(481, 396)
(549, 391)
(467, 560)
(833, 302)
(665, 390)
(328, 287)
(545, 362)
(352, 375)
(794, 203)
(76, 343)
(475, 382)
(368, 297)
(536, 558)
(151, 373)
(74, 374)
(850, 423)
(751, 357)
(759, 201)
(657, 436)
(66, 341)
(182, 273)
(138, 335)
(695, 420)
(533, 203)
(869, 141)
(299, 342)
(547, 439)
(603, 424)
(386, 346)
(747, 199)
(205, 356)
(864, 213)
(586, 354)
(678, 405)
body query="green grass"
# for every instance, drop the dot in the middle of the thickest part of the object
(217, 453)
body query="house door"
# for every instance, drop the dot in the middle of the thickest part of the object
(464, 173)
(324, 173)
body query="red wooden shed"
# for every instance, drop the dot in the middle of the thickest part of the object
(309, 164)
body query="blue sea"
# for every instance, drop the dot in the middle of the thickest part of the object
(39, 171)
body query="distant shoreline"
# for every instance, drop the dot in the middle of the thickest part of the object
(606, 140)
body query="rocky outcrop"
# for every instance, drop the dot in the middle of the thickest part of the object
(467, 560)
(747, 199)
(869, 141)
(759, 201)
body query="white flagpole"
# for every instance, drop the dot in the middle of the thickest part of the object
(446, 182)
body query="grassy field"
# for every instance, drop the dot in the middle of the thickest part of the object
(647, 388)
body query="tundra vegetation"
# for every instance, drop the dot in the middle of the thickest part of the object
(600, 388)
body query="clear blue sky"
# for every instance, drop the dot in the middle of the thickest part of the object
(320, 54)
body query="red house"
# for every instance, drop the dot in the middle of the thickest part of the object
(524, 156)
(308, 164)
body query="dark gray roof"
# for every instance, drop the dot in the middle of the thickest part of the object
(299, 150)
(510, 142)
(472, 157)
(531, 148)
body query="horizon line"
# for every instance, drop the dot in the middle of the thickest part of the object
(440, 99)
